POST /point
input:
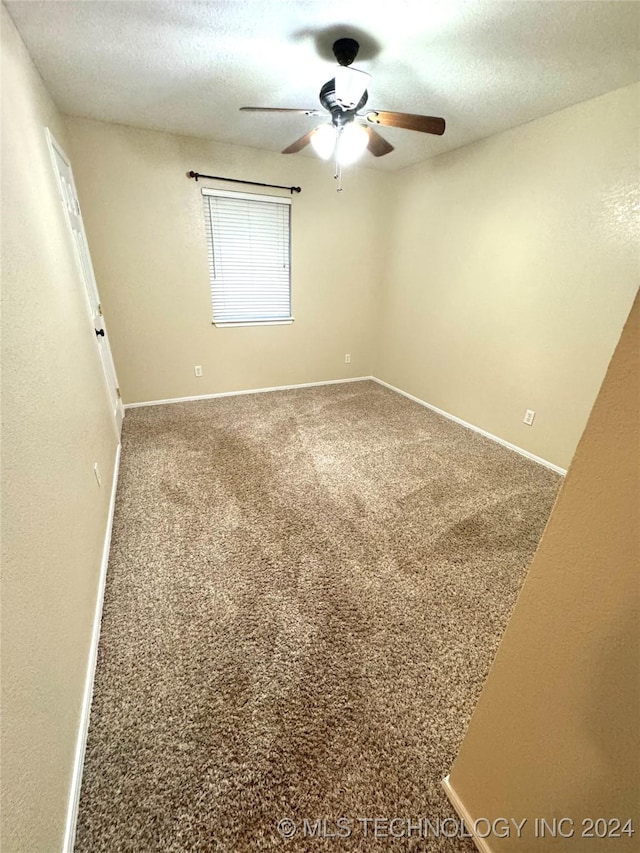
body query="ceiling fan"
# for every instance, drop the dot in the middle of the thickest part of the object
(343, 98)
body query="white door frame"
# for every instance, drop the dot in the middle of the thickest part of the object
(75, 224)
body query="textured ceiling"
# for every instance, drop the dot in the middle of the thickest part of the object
(186, 67)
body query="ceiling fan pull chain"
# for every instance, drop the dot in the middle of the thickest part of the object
(338, 175)
(337, 170)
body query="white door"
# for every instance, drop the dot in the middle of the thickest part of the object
(71, 206)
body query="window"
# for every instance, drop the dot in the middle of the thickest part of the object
(248, 238)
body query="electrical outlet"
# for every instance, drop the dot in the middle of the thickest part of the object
(347, 358)
(529, 415)
(96, 473)
(198, 370)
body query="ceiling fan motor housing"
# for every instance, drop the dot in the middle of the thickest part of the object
(339, 116)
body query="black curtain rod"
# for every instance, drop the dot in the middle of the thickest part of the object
(197, 175)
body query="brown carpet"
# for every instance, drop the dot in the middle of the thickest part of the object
(305, 592)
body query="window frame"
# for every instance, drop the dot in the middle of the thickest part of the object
(207, 192)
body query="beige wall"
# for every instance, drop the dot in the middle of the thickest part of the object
(56, 424)
(555, 733)
(146, 230)
(513, 263)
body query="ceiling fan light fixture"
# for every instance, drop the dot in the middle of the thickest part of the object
(351, 85)
(323, 140)
(352, 142)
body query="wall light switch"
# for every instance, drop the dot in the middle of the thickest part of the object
(529, 415)
(198, 370)
(347, 358)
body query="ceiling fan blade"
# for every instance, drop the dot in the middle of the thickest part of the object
(377, 144)
(282, 110)
(409, 121)
(299, 144)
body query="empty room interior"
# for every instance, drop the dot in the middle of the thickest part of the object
(320, 408)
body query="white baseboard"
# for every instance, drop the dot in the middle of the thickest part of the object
(481, 843)
(83, 728)
(507, 444)
(249, 391)
(483, 432)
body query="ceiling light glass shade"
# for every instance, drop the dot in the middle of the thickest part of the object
(351, 85)
(352, 142)
(323, 140)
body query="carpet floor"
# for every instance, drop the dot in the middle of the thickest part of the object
(305, 592)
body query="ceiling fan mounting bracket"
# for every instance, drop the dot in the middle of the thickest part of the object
(345, 50)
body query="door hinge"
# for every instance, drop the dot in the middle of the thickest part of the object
(99, 309)
(118, 392)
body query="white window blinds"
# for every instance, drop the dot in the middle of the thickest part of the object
(248, 238)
